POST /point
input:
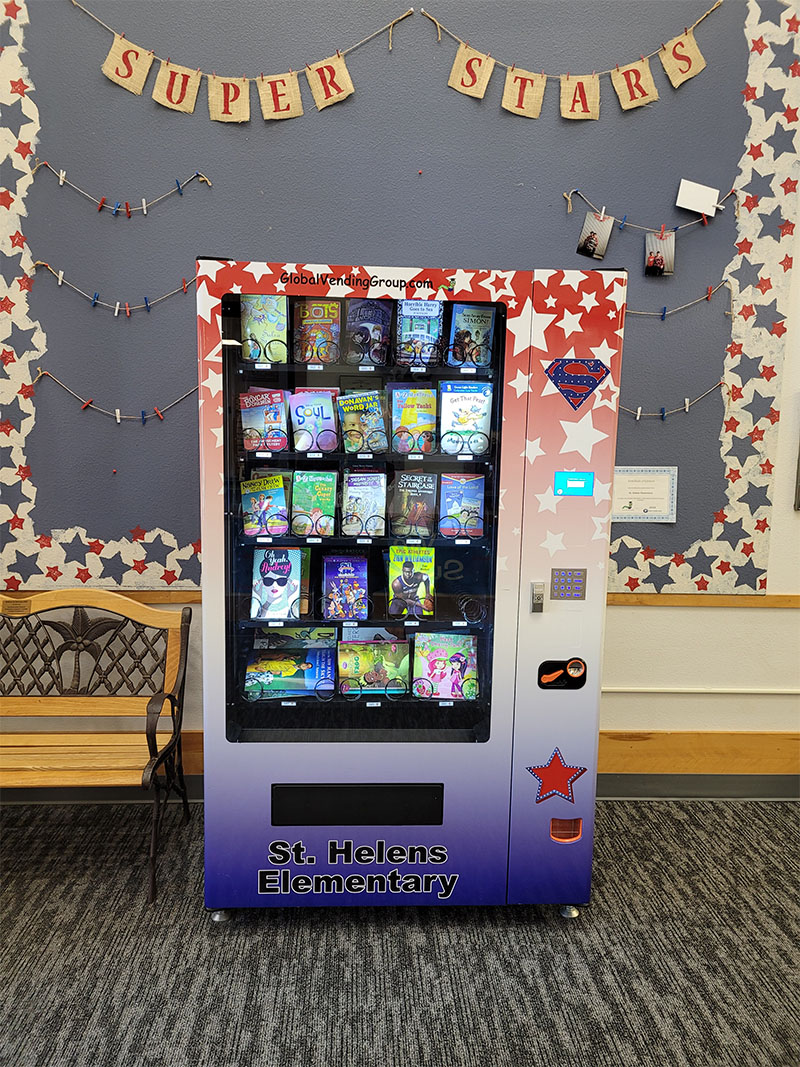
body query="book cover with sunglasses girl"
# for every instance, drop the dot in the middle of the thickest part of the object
(264, 426)
(368, 327)
(314, 503)
(471, 335)
(364, 503)
(276, 583)
(264, 328)
(317, 327)
(466, 417)
(313, 421)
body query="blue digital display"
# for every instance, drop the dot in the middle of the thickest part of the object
(573, 483)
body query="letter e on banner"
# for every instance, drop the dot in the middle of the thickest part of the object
(280, 96)
(228, 99)
(523, 92)
(127, 64)
(580, 96)
(471, 72)
(681, 59)
(177, 87)
(634, 85)
(329, 81)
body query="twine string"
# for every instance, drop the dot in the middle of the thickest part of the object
(389, 26)
(103, 411)
(673, 411)
(113, 307)
(149, 203)
(635, 226)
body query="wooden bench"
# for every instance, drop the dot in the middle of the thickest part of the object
(86, 653)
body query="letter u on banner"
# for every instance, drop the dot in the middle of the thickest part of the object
(127, 64)
(329, 81)
(471, 72)
(634, 85)
(523, 92)
(280, 96)
(681, 59)
(176, 87)
(580, 96)
(228, 99)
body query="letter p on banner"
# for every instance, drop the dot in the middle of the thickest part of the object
(523, 92)
(471, 72)
(228, 99)
(634, 85)
(127, 64)
(329, 81)
(681, 59)
(176, 87)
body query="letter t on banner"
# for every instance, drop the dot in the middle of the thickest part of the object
(329, 81)
(471, 72)
(681, 59)
(523, 92)
(580, 96)
(634, 85)
(127, 64)
(280, 96)
(176, 87)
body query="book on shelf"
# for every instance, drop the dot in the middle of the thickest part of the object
(264, 328)
(445, 666)
(419, 331)
(264, 509)
(317, 327)
(411, 580)
(413, 418)
(373, 666)
(296, 637)
(305, 581)
(276, 583)
(368, 327)
(466, 417)
(345, 587)
(461, 504)
(264, 425)
(364, 503)
(313, 421)
(314, 503)
(412, 511)
(362, 421)
(290, 672)
(284, 475)
(471, 335)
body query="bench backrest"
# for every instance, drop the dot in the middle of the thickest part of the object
(88, 652)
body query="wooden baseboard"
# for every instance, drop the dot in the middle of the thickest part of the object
(653, 752)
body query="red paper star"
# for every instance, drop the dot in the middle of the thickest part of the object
(750, 201)
(789, 185)
(6, 426)
(790, 114)
(731, 424)
(12, 584)
(556, 778)
(756, 434)
(748, 548)
(12, 9)
(632, 583)
(23, 472)
(702, 584)
(83, 574)
(756, 151)
(96, 547)
(768, 373)
(764, 284)
(786, 263)
(793, 24)
(23, 149)
(196, 546)
(6, 199)
(744, 246)
(723, 566)
(16, 523)
(736, 393)
(648, 552)
(767, 467)
(7, 356)
(747, 311)
(54, 573)
(44, 541)
(25, 283)
(762, 525)
(27, 391)
(749, 92)
(18, 87)
(735, 348)
(762, 583)
(778, 328)
(17, 240)
(169, 577)
(773, 416)
(6, 305)
(759, 45)
(787, 229)
(138, 533)
(139, 566)
(678, 559)
(733, 475)
(795, 69)
(720, 516)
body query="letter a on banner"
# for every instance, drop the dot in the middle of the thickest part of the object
(127, 64)
(228, 99)
(634, 85)
(523, 92)
(329, 81)
(471, 72)
(681, 59)
(176, 87)
(280, 96)
(580, 96)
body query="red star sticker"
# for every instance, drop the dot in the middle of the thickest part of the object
(731, 424)
(793, 24)
(747, 312)
(764, 284)
(762, 583)
(25, 283)
(678, 559)
(789, 185)
(750, 202)
(6, 305)
(17, 240)
(733, 475)
(138, 533)
(7, 356)
(756, 151)
(648, 552)
(756, 434)
(723, 566)
(786, 263)
(790, 114)
(736, 392)
(12, 9)
(748, 549)
(96, 547)
(632, 583)
(767, 467)
(16, 523)
(768, 373)
(139, 566)
(83, 574)
(762, 525)
(44, 541)
(23, 149)
(720, 516)
(795, 69)
(18, 87)
(196, 546)
(759, 45)
(54, 573)
(735, 348)
(169, 577)
(6, 426)
(556, 778)
(6, 199)
(27, 391)
(12, 585)
(702, 584)
(744, 246)
(787, 229)
(23, 472)
(773, 416)
(749, 92)
(778, 328)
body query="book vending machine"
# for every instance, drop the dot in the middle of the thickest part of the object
(406, 498)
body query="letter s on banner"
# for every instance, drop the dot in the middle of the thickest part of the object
(127, 64)
(681, 59)
(471, 72)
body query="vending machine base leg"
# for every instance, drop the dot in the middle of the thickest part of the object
(220, 915)
(569, 911)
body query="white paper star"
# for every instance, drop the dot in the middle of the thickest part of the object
(554, 542)
(215, 355)
(462, 281)
(549, 387)
(213, 382)
(604, 352)
(581, 436)
(258, 271)
(209, 268)
(520, 327)
(540, 324)
(573, 279)
(606, 396)
(617, 294)
(600, 531)
(280, 287)
(207, 305)
(550, 301)
(543, 276)
(588, 301)
(236, 288)
(533, 450)
(501, 503)
(602, 491)
(289, 268)
(217, 432)
(571, 323)
(499, 283)
(521, 384)
(547, 500)
(516, 531)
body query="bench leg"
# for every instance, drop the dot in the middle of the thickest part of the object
(159, 803)
(180, 786)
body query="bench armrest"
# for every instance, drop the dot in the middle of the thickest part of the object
(155, 706)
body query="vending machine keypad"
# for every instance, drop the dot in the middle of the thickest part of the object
(568, 584)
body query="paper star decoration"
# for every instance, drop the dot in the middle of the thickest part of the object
(556, 778)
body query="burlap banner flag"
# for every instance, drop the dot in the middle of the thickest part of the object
(280, 96)
(580, 96)
(127, 64)
(329, 81)
(681, 58)
(523, 92)
(634, 85)
(471, 72)
(177, 87)
(228, 99)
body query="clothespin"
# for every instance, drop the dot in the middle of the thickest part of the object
(117, 206)
(179, 187)
(638, 412)
(144, 206)
(705, 220)
(127, 209)
(602, 213)
(144, 417)
(624, 220)
(61, 176)
(94, 299)
(184, 285)
(686, 404)
(127, 309)
(116, 310)
(60, 277)
(663, 414)
(661, 235)
(116, 415)
(708, 294)
(100, 205)
(146, 304)
(663, 313)
(159, 414)
(86, 403)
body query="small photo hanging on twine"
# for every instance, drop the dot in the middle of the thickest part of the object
(659, 254)
(595, 234)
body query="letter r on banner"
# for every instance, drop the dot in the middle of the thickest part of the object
(681, 59)
(280, 96)
(329, 81)
(471, 72)
(127, 64)
(634, 85)
(523, 92)
(176, 87)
